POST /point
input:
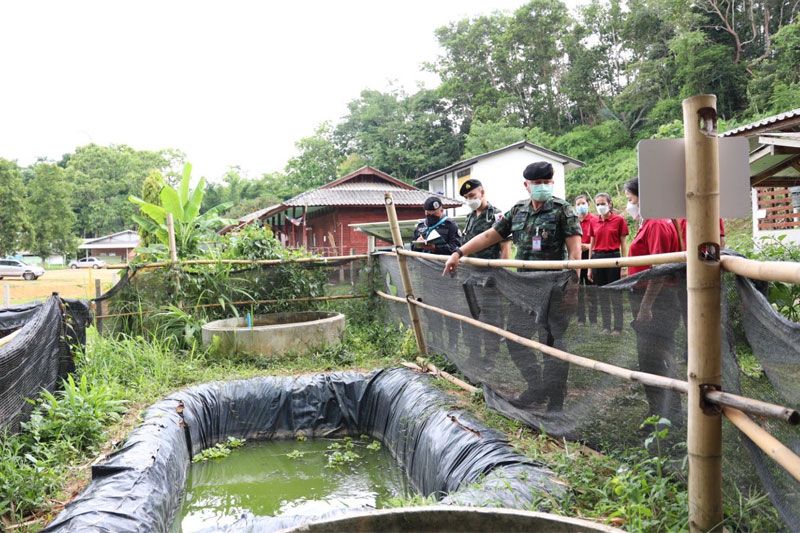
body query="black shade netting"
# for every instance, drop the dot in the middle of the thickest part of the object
(39, 355)
(601, 323)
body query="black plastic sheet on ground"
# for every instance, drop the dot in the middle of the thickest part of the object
(40, 354)
(443, 451)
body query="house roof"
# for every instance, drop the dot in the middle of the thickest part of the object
(779, 122)
(107, 242)
(569, 162)
(774, 149)
(362, 188)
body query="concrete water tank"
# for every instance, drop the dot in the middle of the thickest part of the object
(277, 333)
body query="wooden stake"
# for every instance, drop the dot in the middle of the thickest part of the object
(704, 435)
(173, 249)
(430, 367)
(6, 294)
(173, 254)
(98, 291)
(404, 274)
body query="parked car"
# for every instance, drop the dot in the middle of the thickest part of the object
(87, 262)
(12, 267)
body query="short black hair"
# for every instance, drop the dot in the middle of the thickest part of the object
(632, 186)
(606, 196)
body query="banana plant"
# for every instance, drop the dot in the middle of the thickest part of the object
(183, 203)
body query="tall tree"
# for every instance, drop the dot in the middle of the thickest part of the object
(50, 211)
(103, 177)
(13, 217)
(406, 136)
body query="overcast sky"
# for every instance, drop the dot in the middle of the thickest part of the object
(229, 83)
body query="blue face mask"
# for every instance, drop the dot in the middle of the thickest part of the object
(541, 192)
(582, 209)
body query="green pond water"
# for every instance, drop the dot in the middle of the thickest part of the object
(277, 478)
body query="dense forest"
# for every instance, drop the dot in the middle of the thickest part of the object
(589, 83)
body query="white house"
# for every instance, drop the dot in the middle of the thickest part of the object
(115, 248)
(774, 174)
(500, 171)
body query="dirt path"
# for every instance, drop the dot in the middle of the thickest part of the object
(68, 283)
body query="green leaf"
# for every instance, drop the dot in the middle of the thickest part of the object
(194, 203)
(172, 203)
(185, 180)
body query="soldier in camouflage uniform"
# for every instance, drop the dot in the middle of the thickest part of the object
(485, 303)
(543, 228)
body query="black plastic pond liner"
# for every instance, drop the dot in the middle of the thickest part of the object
(444, 451)
(40, 356)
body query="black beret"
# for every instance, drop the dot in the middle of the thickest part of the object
(468, 186)
(538, 171)
(432, 203)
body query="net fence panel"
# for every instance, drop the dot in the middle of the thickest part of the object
(775, 343)
(565, 400)
(40, 355)
(211, 290)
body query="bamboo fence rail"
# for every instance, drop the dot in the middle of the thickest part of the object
(185, 262)
(768, 444)
(762, 270)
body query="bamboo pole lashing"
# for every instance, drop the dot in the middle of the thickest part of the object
(703, 283)
(715, 397)
(771, 446)
(611, 262)
(405, 276)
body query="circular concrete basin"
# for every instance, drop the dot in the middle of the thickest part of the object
(441, 519)
(277, 333)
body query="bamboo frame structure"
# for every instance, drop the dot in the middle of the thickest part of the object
(762, 270)
(653, 380)
(771, 446)
(186, 262)
(611, 262)
(704, 368)
(408, 288)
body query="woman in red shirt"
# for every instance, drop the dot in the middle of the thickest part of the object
(655, 306)
(608, 234)
(586, 298)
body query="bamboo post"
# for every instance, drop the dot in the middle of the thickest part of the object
(173, 252)
(352, 270)
(98, 291)
(404, 274)
(6, 294)
(370, 249)
(704, 436)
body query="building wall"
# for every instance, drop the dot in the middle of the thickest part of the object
(337, 223)
(776, 211)
(501, 175)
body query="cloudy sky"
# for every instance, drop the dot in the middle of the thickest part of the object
(229, 83)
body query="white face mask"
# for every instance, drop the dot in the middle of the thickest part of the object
(633, 210)
(474, 204)
(602, 209)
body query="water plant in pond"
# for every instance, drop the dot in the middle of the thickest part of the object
(219, 451)
(374, 445)
(284, 478)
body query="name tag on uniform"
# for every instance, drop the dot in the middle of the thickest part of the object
(536, 243)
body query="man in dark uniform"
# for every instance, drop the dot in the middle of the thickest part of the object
(435, 234)
(543, 228)
(483, 301)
